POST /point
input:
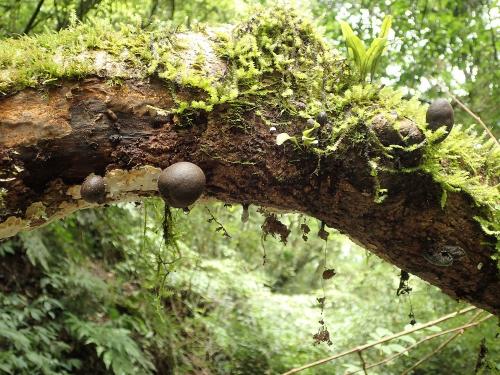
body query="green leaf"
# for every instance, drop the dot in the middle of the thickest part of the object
(408, 339)
(306, 133)
(354, 43)
(107, 358)
(434, 329)
(283, 137)
(382, 332)
(373, 55)
(397, 348)
(386, 27)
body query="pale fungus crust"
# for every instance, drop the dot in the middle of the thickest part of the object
(47, 118)
(274, 62)
(12, 226)
(74, 192)
(122, 186)
(120, 181)
(143, 178)
(36, 211)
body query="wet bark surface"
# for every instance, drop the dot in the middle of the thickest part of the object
(52, 140)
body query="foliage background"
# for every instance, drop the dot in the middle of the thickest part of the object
(101, 293)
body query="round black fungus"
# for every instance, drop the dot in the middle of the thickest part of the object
(181, 184)
(114, 139)
(310, 122)
(322, 118)
(301, 106)
(440, 113)
(93, 189)
(159, 120)
(410, 132)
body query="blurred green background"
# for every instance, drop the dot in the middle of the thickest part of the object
(101, 293)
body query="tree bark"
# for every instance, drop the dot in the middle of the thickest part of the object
(51, 140)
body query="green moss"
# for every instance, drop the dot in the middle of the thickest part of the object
(3, 194)
(469, 163)
(279, 57)
(42, 60)
(465, 162)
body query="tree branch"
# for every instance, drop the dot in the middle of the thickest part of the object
(219, 98)
(29, 26)
(430, 337)
(363, 363)
(459, 331)
(380, 341)
(474, 116)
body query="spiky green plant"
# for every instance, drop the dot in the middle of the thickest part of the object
(366, 61)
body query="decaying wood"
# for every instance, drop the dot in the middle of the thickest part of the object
(51, 140)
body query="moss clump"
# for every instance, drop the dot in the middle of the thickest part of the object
(467, 162)
(280, 56)
(3, 193)
(71, 54)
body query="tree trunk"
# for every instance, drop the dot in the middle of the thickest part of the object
(52, 139)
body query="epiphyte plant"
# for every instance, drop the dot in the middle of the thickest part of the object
(366, 60)
(307, 138)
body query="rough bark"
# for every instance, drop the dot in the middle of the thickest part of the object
(51, 140)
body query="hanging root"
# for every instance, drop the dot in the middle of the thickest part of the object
(167, 226)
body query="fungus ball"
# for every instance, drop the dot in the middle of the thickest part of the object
(93, 189)
(440, 113)
(310, 122)
(181, 184)
(322, 118)
(410, 132)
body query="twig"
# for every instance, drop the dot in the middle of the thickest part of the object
(363, 363)
(474, 116)
(220, 226)
(430, 337)
(29, 26)
(481, 357)
(382, 340)
(446, 342)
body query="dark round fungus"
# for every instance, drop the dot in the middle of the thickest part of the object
(301, 106)
(440, 113)
(114, 139)
(93, 189)
(410, 132)
(322, 118)
(181, 184)
(159, 121)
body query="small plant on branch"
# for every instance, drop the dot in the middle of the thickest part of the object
(366, 60)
